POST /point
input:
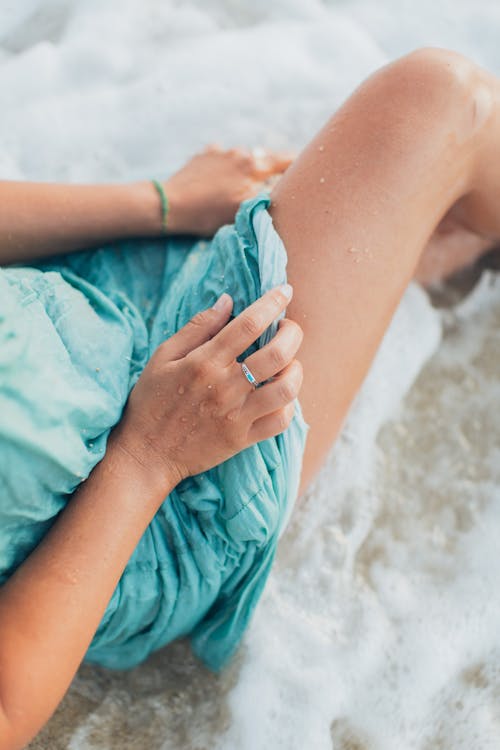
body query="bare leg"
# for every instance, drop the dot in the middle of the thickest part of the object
(418, 139)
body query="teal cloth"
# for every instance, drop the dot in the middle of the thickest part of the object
(75, 333)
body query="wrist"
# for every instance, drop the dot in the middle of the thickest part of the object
(179, 220)
(148, 208)
(130, 458)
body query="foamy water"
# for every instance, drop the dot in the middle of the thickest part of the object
(379, 626)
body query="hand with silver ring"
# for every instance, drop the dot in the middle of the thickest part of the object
(195, 404)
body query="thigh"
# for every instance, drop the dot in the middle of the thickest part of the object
(355, 211)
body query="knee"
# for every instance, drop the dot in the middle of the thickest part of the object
(445, 84)
(439, 66)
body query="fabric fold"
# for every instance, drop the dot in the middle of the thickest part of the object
(76, 333)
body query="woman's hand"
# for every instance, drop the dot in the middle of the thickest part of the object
(193, 408)
(205, 194)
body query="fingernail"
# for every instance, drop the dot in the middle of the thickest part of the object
(221, 302)
(286, 289)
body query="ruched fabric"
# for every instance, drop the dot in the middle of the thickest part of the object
(75, 333)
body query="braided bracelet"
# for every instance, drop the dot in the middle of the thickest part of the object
(164, 204)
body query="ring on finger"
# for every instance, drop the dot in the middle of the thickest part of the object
(251, 379)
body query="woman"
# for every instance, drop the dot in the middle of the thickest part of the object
(116, 539)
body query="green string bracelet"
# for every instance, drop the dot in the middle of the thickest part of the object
(164, 204)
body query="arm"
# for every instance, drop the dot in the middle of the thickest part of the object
(40, 219)
(51, 606)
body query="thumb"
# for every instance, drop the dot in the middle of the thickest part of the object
(201, 328)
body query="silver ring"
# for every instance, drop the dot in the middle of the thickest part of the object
(248, 375)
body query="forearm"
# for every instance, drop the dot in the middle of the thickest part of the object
(40, 219)
(52, 605)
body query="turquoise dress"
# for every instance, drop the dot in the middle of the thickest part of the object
(75, 333)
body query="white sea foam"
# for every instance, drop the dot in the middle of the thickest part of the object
(379, 626)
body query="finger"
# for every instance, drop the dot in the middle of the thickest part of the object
(272, 163)
(240, 151)
(241, 332)
(271, 424)
(278, 353)
(200, 329)
(213, 147)
(276, 394)
(269, 182)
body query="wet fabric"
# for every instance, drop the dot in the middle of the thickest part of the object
(75, 333)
